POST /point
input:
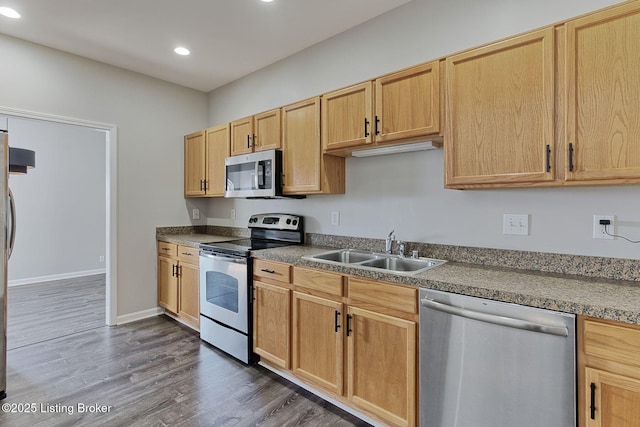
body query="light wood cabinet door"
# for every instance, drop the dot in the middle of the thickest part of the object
(189, 294)
(613, 400)
(381, 373)
(500, 112)
(167, 284)
(301, 147)
(271, 323)
(347, 117)
(217, 149)
(603, 106)
(194, 164)
(242, 136)
(407, 103)
(317, 341)
(268, 130)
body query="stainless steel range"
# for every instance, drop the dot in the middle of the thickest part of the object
(226, 281)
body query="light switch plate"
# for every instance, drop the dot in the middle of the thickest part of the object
(515, 224)
(335, 218)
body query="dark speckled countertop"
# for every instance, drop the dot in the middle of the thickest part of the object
(597, 297)
(607, 288)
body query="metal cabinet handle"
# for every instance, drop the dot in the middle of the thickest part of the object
(335, 321)
(496, 320)
(349, 330)
(377, 130)
(548, 158)
(248, 141)
(165, 249)
(570, 157)
(366, 127)
(593, 401)
(186, 253)
(173, 270)
(268, 271)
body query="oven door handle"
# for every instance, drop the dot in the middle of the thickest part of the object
(237, 260)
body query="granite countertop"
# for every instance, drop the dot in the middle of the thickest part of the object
(192, 240)
(605, 288)
(597, 297)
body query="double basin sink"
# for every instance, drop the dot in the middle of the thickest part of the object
(376, 261)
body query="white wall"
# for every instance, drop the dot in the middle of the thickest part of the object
(405, 192)
(61, 204)
(152, 117)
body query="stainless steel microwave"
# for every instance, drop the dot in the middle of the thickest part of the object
(254, 175)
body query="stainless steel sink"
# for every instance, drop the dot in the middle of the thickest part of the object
(344, 256)
(376, 261)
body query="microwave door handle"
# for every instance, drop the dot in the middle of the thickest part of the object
(259, 183)
(256, 182)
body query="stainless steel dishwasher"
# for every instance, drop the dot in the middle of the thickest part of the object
(485, 363)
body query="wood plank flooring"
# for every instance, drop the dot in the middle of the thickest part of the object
(154, 372)
(41, 311)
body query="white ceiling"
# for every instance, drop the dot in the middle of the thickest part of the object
(228, 39)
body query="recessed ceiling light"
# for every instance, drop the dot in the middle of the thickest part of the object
(182, 51)
(9, 13)
(267, 1)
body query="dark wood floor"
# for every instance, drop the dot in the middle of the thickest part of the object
(42, 311)
(154, 372)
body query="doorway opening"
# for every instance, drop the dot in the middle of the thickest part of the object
(109, 133)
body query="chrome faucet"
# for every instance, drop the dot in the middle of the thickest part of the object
(388, 244)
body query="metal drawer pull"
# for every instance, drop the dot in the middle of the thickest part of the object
(268, 271)
(166, 249)
(187, 253)
(496, 320)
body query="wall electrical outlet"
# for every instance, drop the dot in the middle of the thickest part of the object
(600, 231)
(515, 224)
(195, 214)
(233, 213)
(101, 258)
(335, 218)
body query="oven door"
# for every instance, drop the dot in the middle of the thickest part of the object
(224, 290)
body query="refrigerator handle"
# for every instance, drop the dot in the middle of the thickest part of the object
(12, 233)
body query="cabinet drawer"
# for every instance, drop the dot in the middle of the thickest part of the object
(322, 281)
(385, 295)
(188, 254)
(272, 270)
(167, 249)
(617, 343)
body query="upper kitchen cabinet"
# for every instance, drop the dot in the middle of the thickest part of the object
(602, 92)
(256, 133)
(347, 117)
(306, 169)
(399, 107)
(408, 104)
(194, 164)
(217, 149)
(500, 112)
(204, 154)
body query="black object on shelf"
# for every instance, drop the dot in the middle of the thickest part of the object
(21, 159)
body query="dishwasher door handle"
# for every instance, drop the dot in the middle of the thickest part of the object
(510, 322)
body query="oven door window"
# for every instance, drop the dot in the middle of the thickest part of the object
(222, 290)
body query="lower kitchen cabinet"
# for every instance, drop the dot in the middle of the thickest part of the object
(271, 317)
(178, 282)
(381, 354)
(360, 353)
(609, 373)
(317, 340)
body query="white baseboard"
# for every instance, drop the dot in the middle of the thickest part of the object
(139, 315)
(52, 277)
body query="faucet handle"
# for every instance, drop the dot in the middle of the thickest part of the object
(391, 235)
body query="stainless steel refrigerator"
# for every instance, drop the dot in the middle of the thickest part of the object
(4, 188)
(12, 160)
